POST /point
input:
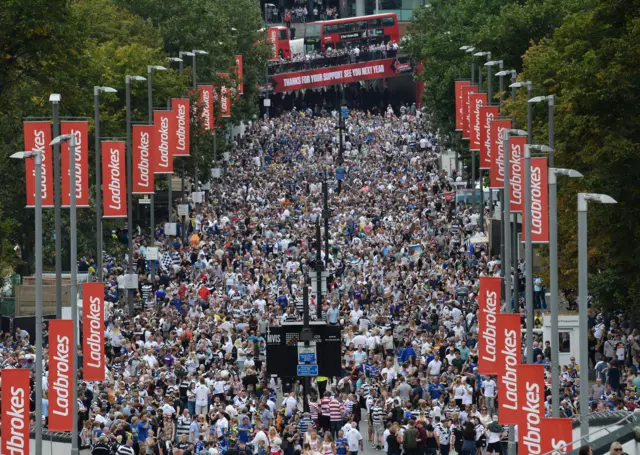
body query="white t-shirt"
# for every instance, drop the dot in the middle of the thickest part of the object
(202, 395)
(489, 387)
(353, 439)
(434, 367)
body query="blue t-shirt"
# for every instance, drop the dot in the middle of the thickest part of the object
(143, 433)
(243, 436)
(341, 446)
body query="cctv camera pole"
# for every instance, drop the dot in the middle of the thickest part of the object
(38, 233)
(57, 202)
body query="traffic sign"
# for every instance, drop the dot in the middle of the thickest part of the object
(307, 354)
(307, 370)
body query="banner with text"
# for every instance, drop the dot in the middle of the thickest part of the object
(509, 347)
(225, 96)
(239, 70)
(114, 186)
(516, 172)
(339, 75)
(539, 202)
(558, 434)
(61, 350)
(476, 101)
(487, 115)
(93, 331)
(37, 137)
(531, 401)
(164, 139)
(206, 104)
(459, 103)
(16, 390)
(81, 131)
(497, 151)
(183, 126)
(143, 175)
(466, 127)
(488, 311)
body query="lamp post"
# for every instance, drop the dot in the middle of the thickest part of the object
(553, 278)
(482, 54)
(71, 138)
(55, 98)
(180, 61)
(195, 53)
(96, 112)
(37, 155)
(550, 103)
(528, 245)
(130, 291)
(170, 176)
(152, 197)
(583, 201)
(468, 50)
(481, 171)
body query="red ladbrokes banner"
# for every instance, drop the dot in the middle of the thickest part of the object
(497, 151)
(61, 350)
(183, 126)
(516, 172)
(531, 401)
(343, 74)
(164, 139)
(206, 104)
(225, 96)
(15, 411)
(81, 131)
(114, 186)
(487, 115)
(459, 104)
(240, 73)
(476, 101)
(558, 434)
(509, 347)
(488, 311)
(143, 175)
(93, 331)
(37, 137)
(539, 202)
(466, 126)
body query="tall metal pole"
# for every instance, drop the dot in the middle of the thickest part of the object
(582, 317)
(551, 102)
(489, 86)
(529, 114)
(553, 278)
(39, 359)
(130, 292)
(319, 270)
(528, 251)
(96, 111)
(507, 225)
(305, 324)
(74, 295)
(473, 71)
(169, 193)
(57, 203)
(480, 77)
(196, 157)
(325, 215)
(152, 196)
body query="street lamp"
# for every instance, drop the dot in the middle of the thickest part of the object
(469, 50)
(550, 102)
(501, 74)
(490, 64)
(195, 53)
(96, 112)
(152, 198)
(481, 171)
(481, 54)
(130, 290)
(583, 200)
(71, 138)
(55, 98)
(529, 86)
(183, 54)
(37, 155)
(553, 278)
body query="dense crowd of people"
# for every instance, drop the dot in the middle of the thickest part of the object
(187, 370)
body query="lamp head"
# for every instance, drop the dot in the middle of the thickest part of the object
(55, 97)
(541, 148)
(200, 52)
(515, 132)
(233, 29)
(60, 139)
(174, 59)
(470, 49)
(480, 54)
(583, 198)
(520, 84)
(464, 48)
(567, 172)
(187, 53)
(22, 155)
(156, 67)
(136, 78)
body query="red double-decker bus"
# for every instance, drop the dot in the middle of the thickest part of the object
(339, 33)
(279, 38)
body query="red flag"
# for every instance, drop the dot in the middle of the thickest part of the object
(558, 434)
(37, 137)
(460, 104)
(206, 103)
(466, 127)
(15, 410)
(240, 73)
(539, 202)
(516, 172)
(487, 115)
(81, 131)
(531, 402)
(476, 101)
(497, 152)
(163, 141)
(509, 357)
(488, 311)
(61, 350)
(143, 175)
(183, 126)
(114, 187)
(93, 331)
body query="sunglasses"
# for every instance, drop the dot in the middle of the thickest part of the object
(619, 449)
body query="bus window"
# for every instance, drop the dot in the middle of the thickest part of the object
(328, 29)
(361, 25)
(312, 31)
(348, 27)
(282, 35)
(388, 21)
(374, 23)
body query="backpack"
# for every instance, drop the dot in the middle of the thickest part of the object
(411, 438)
